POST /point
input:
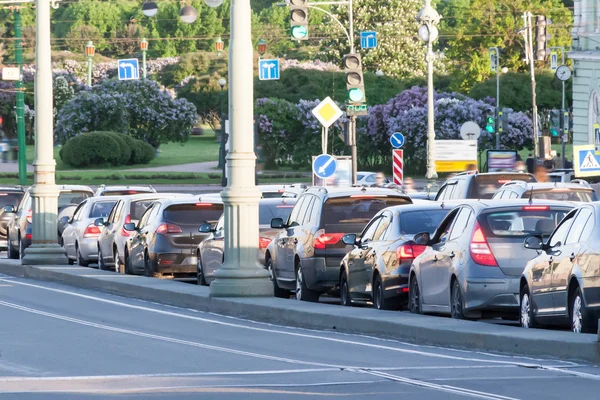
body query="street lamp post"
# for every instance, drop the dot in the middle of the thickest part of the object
(379, 74)
(241, 274)
(496, 67)
(428, 32)
(44, 192)
(90, 50)
(144, 48)
(223, 140)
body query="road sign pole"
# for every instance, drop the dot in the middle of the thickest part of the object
(20, 100)
(325, 137)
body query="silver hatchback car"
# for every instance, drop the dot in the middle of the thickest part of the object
(472, 264)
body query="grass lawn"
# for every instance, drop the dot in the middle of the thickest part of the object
(196, 149)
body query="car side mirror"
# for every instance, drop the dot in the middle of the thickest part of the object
(64, 220)
(9, 209)
(206, 228)
(349, 239)
(277, 223)
(533, 242)
(422, 238)
(130, 227)
(99, 221)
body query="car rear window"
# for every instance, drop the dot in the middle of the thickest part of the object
(102, 208)
(414, 222)
(125, 192)
(487, 185)
(523, 221)
(72, 198)
(10, 199)
(266, 212)
(351, 214)
(196, 214)
(272, 195)
(563, 194)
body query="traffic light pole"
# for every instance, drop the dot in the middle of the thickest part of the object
(498, 122)
(528, 35)
(20, 100)
(564, 128)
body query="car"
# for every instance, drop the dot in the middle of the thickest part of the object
(364, 178)
(9, 196)
(19, 228)
(472, 265)
(210, 250)
(472, 185)
(80, 236)
(574, 191)
(164, 242)
(561, 175)
(376, 269)
(112, 238)
(560, 286)
(306, 255)
(119, 190)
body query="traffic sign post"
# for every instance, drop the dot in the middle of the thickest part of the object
(268, 70)
(368, 40)
(129, 69)
(398, 165)
(324, 166)
(327, 112)
(397, 140)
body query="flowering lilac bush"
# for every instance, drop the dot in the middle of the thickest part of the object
(316, 65)
(138, 108)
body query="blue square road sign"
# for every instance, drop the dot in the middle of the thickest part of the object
(268, 70)
(129, 69)
(368, 40)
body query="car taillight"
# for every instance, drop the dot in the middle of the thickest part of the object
(204, 204)
(408, 252)
(165, 229)
(327, 239)
(127, 221)
(536, 208)
(480, 250)
(91, 231)
(28, 236)
(263, 242)
(28, 217)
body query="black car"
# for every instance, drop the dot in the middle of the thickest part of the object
(306, 255)
(472, 185)
(9, 196)
(561, 286)
(376, 269)
(164, 242)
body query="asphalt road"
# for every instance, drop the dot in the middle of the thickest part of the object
(59, 342)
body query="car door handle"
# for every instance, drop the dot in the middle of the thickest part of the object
(295, 241)
(551, 260)
(435, 258)
(452, 255)
(572, 257)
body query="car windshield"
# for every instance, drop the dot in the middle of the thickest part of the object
(566, 194)
(487, 185)
(266, 212)
(523, 221)
(193, 214)
(72, 198)
(10, 198)
(102, 208)
(351, 214)
(414, 222)
(125, 192)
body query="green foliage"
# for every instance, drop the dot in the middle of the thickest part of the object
(515, 91)
(141, 152)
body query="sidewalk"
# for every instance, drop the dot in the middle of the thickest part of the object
(403, 326)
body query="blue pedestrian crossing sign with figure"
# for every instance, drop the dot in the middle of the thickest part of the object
(368, 40)
(397, 140)
(586, 161)
(268, 70)
(324, 166)
(129, 69)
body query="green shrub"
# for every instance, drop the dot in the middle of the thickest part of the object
(144, 153)
(124, 148)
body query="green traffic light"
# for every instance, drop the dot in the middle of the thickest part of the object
(356, 95)
(553, 132)
(299, 32)
(490, 120)
(489, 128)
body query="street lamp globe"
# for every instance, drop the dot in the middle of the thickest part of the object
(427, 33)
(222, 82)
(504, 70)
(379, 73)
(213, 3)
(188, 14)
(149, 9)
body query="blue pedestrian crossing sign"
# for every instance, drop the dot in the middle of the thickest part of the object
(324, 166)
(397, 140)
(268, 70)
(368, 40)
(129, 69)
(586, 161)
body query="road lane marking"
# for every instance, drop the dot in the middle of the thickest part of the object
(313, 336)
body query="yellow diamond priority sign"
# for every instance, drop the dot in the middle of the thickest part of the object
(327, 112)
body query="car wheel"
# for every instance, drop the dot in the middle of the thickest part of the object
(148, 267)
(379, 300)
(277, 291)
(21, 249)
(526, 319)
(11, 253)
(414, 296)
(200, 273)
(457, 309)
(127, 261)
(303, 293)
(101, 264)
(80, 259)
(345, 298)
(119, 267)
(580, 318)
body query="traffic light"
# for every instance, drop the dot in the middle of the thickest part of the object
(554, 123)
(355, 82)
(542, 37)
(299, 19)
(490, 121)
(565, 123)
(500, 121)
(504, 120)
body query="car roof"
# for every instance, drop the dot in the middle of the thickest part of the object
(125, 187)
(547, 185)
(420, 206)
(12, 189)
(278, 200)
(506, 203)
(189, 200)
(333, 192)
(97, 199)
(75, 188)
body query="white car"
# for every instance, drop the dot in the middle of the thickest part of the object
(367, 178)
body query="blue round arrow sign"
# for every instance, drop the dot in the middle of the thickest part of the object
(397, 140)
(324, 166)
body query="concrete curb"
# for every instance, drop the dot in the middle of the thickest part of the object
(389, 324)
